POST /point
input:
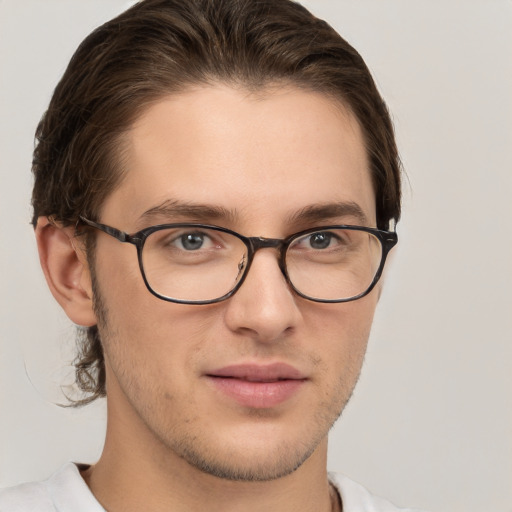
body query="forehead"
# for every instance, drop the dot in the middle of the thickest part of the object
(260, 156)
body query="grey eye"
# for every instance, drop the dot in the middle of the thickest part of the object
(192, 241)
(320, 240)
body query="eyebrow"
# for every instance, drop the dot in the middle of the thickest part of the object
(323, 212)
(173, 208)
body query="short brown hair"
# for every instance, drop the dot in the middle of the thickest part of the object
(158, 47)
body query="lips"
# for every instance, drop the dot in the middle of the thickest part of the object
(257, 386)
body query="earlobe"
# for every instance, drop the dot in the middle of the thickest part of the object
(66, 270)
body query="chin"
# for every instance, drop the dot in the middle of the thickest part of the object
(251, 452)
(247, 466)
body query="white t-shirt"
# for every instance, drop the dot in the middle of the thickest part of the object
(66, 491)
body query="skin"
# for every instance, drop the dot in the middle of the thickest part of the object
(174, 442)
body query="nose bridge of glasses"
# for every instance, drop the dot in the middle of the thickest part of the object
(260, 242)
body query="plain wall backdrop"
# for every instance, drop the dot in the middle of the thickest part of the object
(430, 423)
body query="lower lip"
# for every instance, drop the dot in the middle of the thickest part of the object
(258, 395)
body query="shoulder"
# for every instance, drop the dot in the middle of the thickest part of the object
(357, 498)
(64, 491)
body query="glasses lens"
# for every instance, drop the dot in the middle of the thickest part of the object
(335, 264)
(193, 264)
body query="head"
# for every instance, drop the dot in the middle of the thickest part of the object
(186, 73)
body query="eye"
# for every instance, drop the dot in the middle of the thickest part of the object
(193, 241)
(320, 240)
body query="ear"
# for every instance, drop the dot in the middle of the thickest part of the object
(67, 273)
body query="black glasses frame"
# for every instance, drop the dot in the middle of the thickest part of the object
(388, 240)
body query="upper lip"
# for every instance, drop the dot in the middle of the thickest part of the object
(259, 373)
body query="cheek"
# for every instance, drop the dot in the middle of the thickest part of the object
(346, 321)
(159, 338)
(341, 332)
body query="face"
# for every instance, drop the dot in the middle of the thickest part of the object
(246, 388)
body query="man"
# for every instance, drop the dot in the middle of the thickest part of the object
(216, 183)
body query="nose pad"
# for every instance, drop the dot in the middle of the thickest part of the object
(241, 267)
(265, 305)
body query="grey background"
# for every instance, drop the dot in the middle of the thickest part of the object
(430, 424)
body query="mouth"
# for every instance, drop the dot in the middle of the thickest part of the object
(257, 386)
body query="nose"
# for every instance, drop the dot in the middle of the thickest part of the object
(264, 308)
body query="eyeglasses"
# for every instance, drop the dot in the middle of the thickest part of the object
(201, 264)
